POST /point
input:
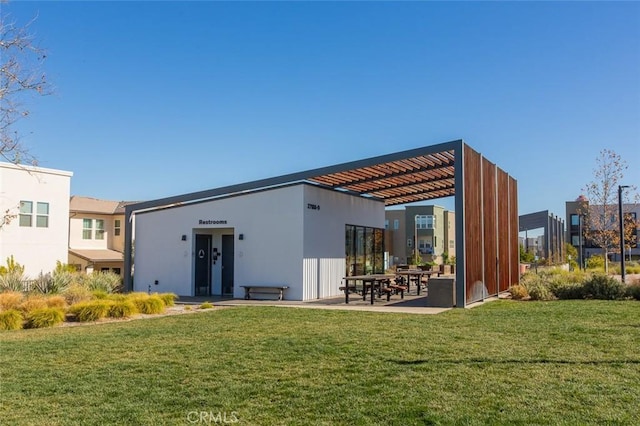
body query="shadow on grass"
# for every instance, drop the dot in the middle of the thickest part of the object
(511, 361)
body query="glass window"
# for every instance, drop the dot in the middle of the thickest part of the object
(42, 217)
(451, 244)
(26, 211)
(99, 229)
(386, 224)
(575, 240)
(396, 224)
(425, 222)
(364, 250)
(116, 227)
(87, 229)
(575, 220)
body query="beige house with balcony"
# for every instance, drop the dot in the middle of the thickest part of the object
(96, 234)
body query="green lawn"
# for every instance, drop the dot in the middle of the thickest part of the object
(570, 362)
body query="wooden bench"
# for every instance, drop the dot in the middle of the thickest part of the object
(395, 289)
(264, 289)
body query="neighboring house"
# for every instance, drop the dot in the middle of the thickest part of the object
(427, 231)
(37, 199)
(576, 229)
(96, 234)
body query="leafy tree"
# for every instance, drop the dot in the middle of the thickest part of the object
(601, 210)
(526, 256)
(572, 255)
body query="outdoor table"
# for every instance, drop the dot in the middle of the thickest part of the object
(415, 274)
(372, 280)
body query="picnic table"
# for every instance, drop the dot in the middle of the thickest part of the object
(415, 275)
(370, 282)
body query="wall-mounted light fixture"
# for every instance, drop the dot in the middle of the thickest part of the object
(184, 238)
(241, 236)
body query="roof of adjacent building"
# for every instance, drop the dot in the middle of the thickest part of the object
(98, 255)
(95, 205)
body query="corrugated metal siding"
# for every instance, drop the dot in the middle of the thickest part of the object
(322, 277)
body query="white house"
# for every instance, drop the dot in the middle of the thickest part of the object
(294, 235)
(38, 200)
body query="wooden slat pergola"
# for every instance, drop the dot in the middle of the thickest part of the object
(487, 255)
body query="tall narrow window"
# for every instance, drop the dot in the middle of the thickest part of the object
(396, 223)
(99, 229)
(116, 227)
(26, 213)
(87, 229)
(42, 215)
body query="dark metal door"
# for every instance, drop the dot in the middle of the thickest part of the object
(203, 265)
(227, 264)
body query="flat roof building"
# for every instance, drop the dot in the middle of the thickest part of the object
(307, 230)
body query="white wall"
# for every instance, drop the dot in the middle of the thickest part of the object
(271, 252)
(37, 249)
(285, 242)
(324, 236)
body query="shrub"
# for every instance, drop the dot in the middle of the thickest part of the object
(567, 291)
(56, 302)
(10, 300)
(12, 266)
(12, 281)
(149, 304)
(44, 317)
(206, 305)
(601, 286)
(33, 303)
(633, 290)
(105, 281)
(122, 309)
(62, 280)
(99, 294)
(187, 308)
(168, 299)
(518, 292)
(11, 319)
(76, 293)
(42, 284)
(595, 262)
(91, 310)
(539, 291)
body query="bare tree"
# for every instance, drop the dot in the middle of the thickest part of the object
(601, 212)
(20, 77)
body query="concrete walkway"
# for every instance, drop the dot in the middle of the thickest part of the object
(408, 305)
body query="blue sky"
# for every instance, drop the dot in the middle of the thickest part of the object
(154, 99)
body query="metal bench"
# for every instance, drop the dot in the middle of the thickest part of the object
(264, 289)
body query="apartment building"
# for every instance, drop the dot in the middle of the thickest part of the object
(35, 200)
(96, 234)
(576, 233)
(426, 232)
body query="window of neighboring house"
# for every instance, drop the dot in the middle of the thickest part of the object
(396, 224)
(42, 215)
(87, 229)
(575, 220)
(116, 227)
(26, 212)
(99, 229)
(116, 271)
(425, 222)
(451, 244)
(575, 240)
(386, 224)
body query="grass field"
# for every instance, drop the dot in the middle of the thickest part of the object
(570, 362)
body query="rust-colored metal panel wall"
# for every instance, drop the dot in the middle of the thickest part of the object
(504, 231)
(473, 259)
(513, 237)
(490, 226)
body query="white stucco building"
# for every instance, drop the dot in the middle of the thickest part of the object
(293, 235)
(38, 200)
